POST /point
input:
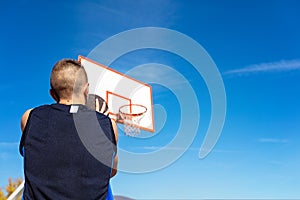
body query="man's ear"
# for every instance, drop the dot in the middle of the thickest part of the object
(86, 90)
(54, 95)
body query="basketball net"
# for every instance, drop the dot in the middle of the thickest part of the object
(131, 116)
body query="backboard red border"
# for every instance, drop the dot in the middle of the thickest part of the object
(114, 71)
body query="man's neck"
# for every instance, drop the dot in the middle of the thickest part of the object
(72, 101)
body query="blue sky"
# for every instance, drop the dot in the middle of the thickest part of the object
(254, 44)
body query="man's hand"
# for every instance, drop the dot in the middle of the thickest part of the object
(102, 109)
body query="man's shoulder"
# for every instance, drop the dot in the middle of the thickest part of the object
(36, 109)
(41, 107)
(30, 112)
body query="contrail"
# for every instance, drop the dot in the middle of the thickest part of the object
(280, 66)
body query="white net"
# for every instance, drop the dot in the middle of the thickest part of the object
(131, 116)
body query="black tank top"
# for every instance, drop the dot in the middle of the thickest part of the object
(67, 155)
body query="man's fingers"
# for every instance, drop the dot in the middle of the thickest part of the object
(97, 105)
(106, 112)
(102, 110)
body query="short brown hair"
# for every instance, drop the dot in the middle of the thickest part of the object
(67, 78)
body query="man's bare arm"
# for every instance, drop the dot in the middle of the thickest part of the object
(115, 164)
(24, 119)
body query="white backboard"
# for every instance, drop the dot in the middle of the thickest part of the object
(119, 89)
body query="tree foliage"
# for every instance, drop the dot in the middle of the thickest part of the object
(10, 188)
(2, 195)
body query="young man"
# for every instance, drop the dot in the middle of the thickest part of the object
(69, 150)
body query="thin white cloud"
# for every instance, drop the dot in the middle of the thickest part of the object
(155, 148)
(5, 87)
(280, 66)
(169, 75)
(276, 162)
(272, 140)
(162, 13)
(8, 144)
(227, 151)
(3, 155)
(8, 150)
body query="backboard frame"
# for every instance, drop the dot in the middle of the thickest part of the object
(108, 94)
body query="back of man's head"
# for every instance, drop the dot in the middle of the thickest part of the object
(68, 78)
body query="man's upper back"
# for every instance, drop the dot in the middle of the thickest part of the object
(67, 154)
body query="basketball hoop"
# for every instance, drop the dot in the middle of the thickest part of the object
(131, 116)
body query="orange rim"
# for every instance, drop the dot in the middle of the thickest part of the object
(132, 114)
